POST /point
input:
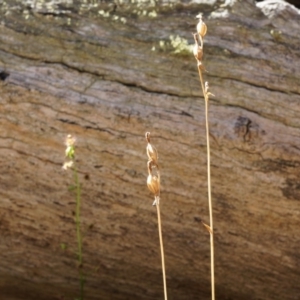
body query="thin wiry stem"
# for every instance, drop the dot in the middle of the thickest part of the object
(153, 183)
(209, 188)
(78, 232)
(161, 248)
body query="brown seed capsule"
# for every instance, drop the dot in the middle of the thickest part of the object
(153, 184)
(151, 150)
(198, 52)
(201, 28)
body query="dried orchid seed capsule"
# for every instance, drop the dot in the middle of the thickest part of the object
(153, 184)
(151, 150)
(152, 153)
(198, 52)
(201, 28)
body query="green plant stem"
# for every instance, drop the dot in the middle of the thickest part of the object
(78, 232)
(161, 249)
(209, 189)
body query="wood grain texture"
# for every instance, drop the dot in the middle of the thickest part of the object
(107, 82)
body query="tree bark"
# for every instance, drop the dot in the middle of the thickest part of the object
(107, 74)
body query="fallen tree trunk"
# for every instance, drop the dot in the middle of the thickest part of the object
(109, 73)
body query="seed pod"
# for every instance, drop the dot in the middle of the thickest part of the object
(198, 52)
(151, 150)
(201, 28)
(152, 153)
(153, 184)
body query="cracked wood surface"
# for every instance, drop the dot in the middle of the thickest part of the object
(108, 82)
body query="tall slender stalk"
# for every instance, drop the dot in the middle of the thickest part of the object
(161, 250)
(212, 264)
(153, 183)
(70, 164)
(77, 216)
(78, 232)
(198, 53)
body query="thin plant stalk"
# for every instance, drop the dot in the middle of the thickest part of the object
(212, 265)
(78, 232)
(70, 164)
(153, 183)
(161, 250)
(198, 53)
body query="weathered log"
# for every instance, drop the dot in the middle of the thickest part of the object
(107, 75)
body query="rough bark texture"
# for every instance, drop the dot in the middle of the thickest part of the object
(107, 79)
